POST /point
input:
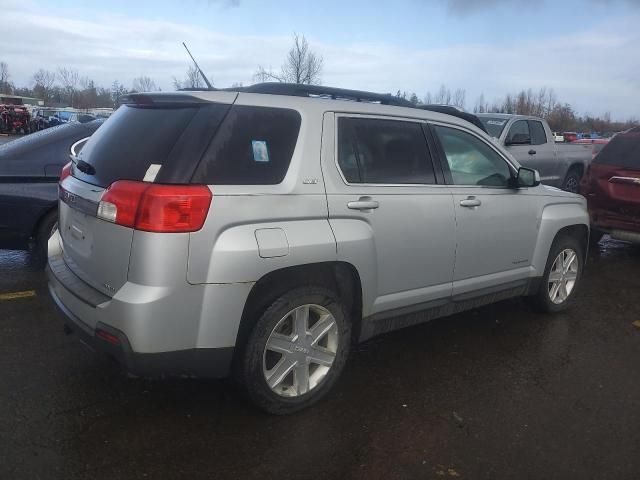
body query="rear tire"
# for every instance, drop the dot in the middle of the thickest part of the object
(562, 275)
(288, 363)
(572, 181)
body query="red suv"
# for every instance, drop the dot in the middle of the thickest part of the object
(612, 188)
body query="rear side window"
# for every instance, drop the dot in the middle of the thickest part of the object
(538, 135)
(253, 146)
(383, 152)
(519, 133)
(623, 150)
(166, 141)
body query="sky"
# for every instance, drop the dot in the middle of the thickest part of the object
(588, 51)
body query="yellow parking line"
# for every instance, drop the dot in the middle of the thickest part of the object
(17, 295)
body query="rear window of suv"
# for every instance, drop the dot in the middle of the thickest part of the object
(199, 143)
(140, 139)
(622, 151)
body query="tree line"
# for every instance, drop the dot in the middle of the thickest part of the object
(543, 103)
(65, 86)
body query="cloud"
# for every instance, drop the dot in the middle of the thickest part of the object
(465, 8)
(595, 70)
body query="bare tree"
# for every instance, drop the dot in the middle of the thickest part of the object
(192, 79)
(459, 97)
(43, 83)
(302, 65)
(5, 85)
(69, 79)
(443, 97)
(144, 84)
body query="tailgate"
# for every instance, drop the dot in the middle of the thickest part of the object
(95, 250)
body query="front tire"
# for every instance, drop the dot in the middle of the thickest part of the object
(296, 351)
(562, 275)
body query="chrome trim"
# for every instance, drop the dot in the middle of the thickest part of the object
(75, 145)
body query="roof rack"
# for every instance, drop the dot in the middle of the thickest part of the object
(298, 90)
(456, 112)
(319, 91)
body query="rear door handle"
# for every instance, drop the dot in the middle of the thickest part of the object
(363, 203)
(532, 152)
(470, 202)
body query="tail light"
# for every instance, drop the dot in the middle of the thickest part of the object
(66, 171)
(155, 208)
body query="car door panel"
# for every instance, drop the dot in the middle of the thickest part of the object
(406, 230)
(496, 225)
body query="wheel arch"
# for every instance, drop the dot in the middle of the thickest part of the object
(569, 218)
(341, 277)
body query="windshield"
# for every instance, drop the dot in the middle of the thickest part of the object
(494, 125)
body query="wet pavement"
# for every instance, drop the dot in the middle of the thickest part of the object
(499, 392)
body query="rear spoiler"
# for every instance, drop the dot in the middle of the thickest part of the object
(173, 99)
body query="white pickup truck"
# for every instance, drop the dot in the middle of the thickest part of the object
(531, 142)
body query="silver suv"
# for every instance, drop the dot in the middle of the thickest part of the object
(262, 231)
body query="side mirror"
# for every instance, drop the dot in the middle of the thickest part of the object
(527, 177)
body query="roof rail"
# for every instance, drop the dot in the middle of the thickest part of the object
(298, 90)
(301, 90)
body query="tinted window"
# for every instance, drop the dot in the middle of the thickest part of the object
(494, 125)
(623, 150)
(134, 138)
(538, 135)
(519, 133)
(253, 146)
(471, 161)
(383, 151)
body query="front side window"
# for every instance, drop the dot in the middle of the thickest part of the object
(471, 161)
(538, 135)
(519, 134)
(383, 152)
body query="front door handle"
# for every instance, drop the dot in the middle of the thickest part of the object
(532, 152)
(470, 202)
(363, 203)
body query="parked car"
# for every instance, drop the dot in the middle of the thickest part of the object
(14, 119)
(268, 227)
(612, 188)
(530, 140)
(596, 144)
(570, 136)
(41, 119)
(29, 171)
(79, 117)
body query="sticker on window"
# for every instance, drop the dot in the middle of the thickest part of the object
(496, 122)
(152, 173)
(260, 151)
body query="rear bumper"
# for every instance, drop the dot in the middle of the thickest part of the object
(186, 330)
(195, 362)
(618, 226)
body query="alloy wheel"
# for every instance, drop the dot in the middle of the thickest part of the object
(563, 276)
(300, 350)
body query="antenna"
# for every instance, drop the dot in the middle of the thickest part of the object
(204, 77)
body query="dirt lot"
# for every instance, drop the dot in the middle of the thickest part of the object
(499, 392)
